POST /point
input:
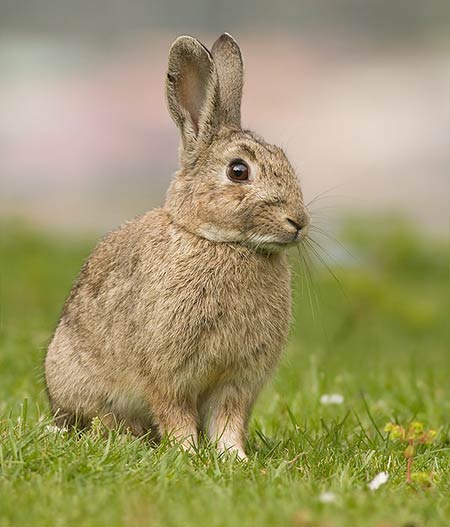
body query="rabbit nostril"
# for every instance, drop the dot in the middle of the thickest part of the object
(295, 224)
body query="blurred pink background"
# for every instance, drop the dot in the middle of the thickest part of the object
(86, 141)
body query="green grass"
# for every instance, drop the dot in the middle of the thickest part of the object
(380, 338)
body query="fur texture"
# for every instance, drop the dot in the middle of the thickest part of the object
(179, 317)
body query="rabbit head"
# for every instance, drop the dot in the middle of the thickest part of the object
(232, 186)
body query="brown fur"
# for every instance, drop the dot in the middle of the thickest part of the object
(179, 317)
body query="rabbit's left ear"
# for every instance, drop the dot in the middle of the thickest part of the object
(230, 70)
(192, 91)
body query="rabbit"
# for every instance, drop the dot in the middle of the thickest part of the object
(179, 317)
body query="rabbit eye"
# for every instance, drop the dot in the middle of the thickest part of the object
(238, 170)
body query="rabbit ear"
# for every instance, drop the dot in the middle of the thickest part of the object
(192, 91)
(230, 70)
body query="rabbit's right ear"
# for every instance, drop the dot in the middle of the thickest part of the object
(230, 70)
(192, 91)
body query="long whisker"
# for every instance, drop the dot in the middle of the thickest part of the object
(307, 280)
(314, 246)
(310, 279)
(321, 220)
(323, 194)
(316, 294)
(332, 238)
(323, 210)
(323, 262)
(300, 273)
(319, 247)
(324, 216)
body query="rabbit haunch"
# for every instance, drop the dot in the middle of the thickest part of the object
(179, 317)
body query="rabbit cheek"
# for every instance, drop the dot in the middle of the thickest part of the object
(222, 221)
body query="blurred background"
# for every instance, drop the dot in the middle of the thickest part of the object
(355, 91)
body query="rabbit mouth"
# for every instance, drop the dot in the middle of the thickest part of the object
(270, 243)
(258, 241)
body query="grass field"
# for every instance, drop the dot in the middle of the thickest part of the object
(380, 339)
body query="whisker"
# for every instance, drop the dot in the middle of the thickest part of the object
(307, 277)
(322, 210)
(318, 246)
(309, 266)
(298, 273)
(316, 290)
(331, 238)
(323, 262)
(323, 194)
(324, 221)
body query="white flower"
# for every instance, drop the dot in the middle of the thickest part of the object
(332, 398)
(378, 480)
(327, 497)
(53, 429)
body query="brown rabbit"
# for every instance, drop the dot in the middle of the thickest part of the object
(179, 317)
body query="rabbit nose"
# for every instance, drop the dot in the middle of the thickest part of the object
(299, 224)
(295, 224)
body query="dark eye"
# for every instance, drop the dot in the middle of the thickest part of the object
(238, 170)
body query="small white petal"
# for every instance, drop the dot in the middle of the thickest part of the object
(327, 497)
(55, 429)
(378, 480)
(332, 398)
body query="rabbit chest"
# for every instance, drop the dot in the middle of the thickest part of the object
(214, 310)
(172, 306)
